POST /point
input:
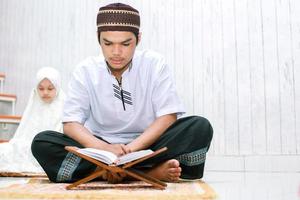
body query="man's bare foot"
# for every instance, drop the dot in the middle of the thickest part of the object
(168, 171)
(112, 177)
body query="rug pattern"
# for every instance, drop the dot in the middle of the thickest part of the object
(21, 174)
(40, 188)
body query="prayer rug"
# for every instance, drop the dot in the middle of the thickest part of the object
(21, 174)
(41, 188)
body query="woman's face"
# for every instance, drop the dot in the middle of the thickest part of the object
(46, 90)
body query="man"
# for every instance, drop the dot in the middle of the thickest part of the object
(122, 103)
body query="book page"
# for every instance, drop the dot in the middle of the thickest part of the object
(110, 158)
(101, 155)
(133, 156)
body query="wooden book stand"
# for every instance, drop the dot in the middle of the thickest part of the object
(126, 168)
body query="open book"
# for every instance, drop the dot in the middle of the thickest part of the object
(107, 161)
(112, 159)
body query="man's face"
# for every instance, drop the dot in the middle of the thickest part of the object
(118, 48)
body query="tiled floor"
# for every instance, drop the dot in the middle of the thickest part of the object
(254, 186)
(239, 185)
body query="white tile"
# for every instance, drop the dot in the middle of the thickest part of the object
(284, 163)
(254, 186)
(224, 163)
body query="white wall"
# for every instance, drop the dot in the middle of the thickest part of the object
(236, 62)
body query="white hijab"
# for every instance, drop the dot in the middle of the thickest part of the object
(16, 156)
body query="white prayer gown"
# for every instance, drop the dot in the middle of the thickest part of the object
(15, 155)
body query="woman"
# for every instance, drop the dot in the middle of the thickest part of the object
(43, 112)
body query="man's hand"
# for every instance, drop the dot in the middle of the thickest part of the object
(118, 149)
(152, 133)
(82, 135)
